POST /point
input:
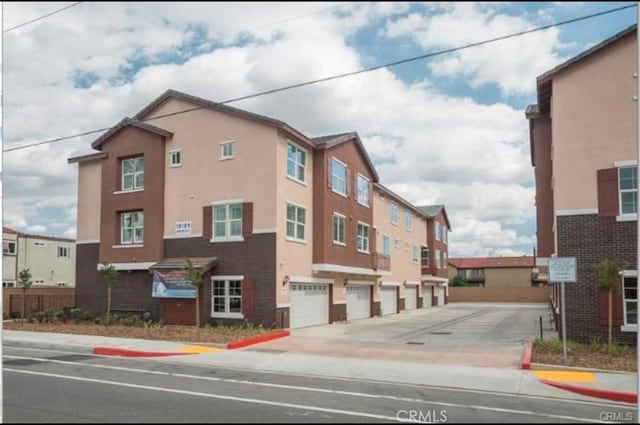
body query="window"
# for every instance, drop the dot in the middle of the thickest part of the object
(338, 177)
(386, 245)
(424, 256)
(444, 260)
(61, 283)
(407, 246)
(63, 251)
(227, 221)
(408, 224)
(8, 284)
(628, 184)
(415, 254)
(227, 150)
(296, 162)
(9, 247)
(397, 243)
(438, 231)
(175, 158)
(338, 229)
(363, 237)
(296, 220)
(226, 298)
(131, 228)
(133, 173)
(40, 243)
(363, 190)
(394, 213)
(38, 282)
(437, 258)
(444, 234)
(630, 294)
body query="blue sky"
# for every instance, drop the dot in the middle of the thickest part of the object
(445, 130)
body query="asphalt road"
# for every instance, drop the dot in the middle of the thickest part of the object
(61, 386)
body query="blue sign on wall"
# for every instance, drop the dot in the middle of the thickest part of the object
(172, 285)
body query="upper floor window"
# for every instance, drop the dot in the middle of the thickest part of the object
(424, 256)
(363, 237)
(444, 260)
(9, 247)
(386, 245)
(338, 177)
(131, 228)
(415, 254)
(630, 296)
(628, 184)
(175, 158)
(296, 222)
(133, 173)
(437, 258)
(296, 162)
(227, 221)
(394, 213)
(227, 150)
(408, 224)
(438, 231)
(444, 234)
(338, 228)
(363, 190)
(63, 252)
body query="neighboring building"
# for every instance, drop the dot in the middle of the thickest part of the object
(495, 272)
(401, 232)
(51, 261)
(283, 224)
(584, 149)
(434, 256)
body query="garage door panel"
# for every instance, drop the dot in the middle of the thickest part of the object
(440, 292)
(358, 302)
(411, 297)
(309, 305)
(389, 303)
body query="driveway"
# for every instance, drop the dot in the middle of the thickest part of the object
(469, 334)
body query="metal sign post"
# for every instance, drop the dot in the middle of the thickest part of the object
(562, 270)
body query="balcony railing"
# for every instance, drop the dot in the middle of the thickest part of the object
(381, 262)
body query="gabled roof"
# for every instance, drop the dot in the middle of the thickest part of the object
(492, 262)
(204, 103)
(327, 142)
(128, 122)
(430, 211)
(400, 199)
(88, 157)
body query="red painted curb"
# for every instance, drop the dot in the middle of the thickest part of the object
(257, 339)
(595, 392)
(526, 359)
(111, 351)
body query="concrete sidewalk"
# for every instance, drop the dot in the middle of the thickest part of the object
(614, 386)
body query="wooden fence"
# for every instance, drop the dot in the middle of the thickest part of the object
(38, 299)
(534, 294)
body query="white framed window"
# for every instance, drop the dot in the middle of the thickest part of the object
(338, 177)
(437, 258)
(226, 298)
(338, 229)
(296, 222)
(397, 243)
(628, 187)
(9, 247)
(227, 221)
(438, 231)
(61, 283)
(296, 162)
(363, 190)
(408, 220)
(227, 150)
(8, 284)
(445, 236)
(394, 213)
(630, 300)
(40, 243)
(386, 245)
(424, 256)
(38, 282)
(131, 227)
(444, 260)
(363, 237)
(63, 252)
(415, 254)
(133, 173)
(175, 158)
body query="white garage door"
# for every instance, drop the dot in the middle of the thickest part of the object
(389, 300)
(440, 292)
(427, 295)
(411, 297)
(309, 305)
(358, 302)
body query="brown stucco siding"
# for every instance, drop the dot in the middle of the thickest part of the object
(90, 293)
(326, 202)
(128, 143)
(433, 245)
(592, 239)
(254, 257)
(544, 191)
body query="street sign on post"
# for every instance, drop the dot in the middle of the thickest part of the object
(562, 270)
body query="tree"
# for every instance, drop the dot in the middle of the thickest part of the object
(609, 281)
(109, 275)
(196, 276)
(459, 280)
(24, 280)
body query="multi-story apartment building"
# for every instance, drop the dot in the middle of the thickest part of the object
(401, 233)
(433, 257)
(583, 133)
(283, 223)
(50, 260)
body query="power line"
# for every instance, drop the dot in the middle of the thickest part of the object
(42, 17)
(335, 77)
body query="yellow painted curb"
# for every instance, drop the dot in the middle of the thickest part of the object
(565, 376)
(199, 349)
